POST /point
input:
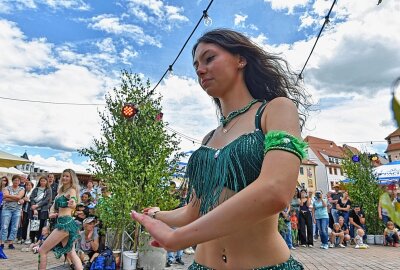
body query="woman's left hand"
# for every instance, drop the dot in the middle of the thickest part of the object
(164, 236)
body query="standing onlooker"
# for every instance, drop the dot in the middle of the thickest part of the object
(26, 210)
(11, 214)
(23, 180)
(343, 207)
(357, 221)
(53, 185)
(305, 220)
(3, 184)
(333, 200)
(40, 205)
(287, 235)
(321, 217)
(91, 190)
(294, 221)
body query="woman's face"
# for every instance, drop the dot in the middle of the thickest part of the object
(28, 186)
(217, 70)
(66, 178)
(16, 181)
(341, 221)
(90, 185)
(43, 182)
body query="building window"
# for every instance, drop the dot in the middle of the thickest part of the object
(390, 158)
(335, 171)
(301, 171)
(389, 141)
(330, 170)
(336, 161)
(341, 171)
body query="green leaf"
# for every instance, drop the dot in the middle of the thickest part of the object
(396, 109)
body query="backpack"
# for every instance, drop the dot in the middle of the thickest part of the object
(105, 261)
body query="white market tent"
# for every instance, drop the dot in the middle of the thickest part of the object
(389, 172)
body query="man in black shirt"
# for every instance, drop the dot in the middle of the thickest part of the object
(357, 221)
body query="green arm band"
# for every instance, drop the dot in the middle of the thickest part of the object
(281, 140)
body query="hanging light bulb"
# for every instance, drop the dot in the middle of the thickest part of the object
(170, 71)
(207, 19)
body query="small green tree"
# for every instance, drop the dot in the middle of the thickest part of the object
(136, 157)
(364, 189)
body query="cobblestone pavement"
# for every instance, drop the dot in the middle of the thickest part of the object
(376, 257)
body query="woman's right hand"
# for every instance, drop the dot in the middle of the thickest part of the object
(53, 215)
(151, 210)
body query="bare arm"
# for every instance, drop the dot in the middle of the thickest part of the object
(181, 216)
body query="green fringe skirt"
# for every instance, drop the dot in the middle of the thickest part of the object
(290, 264)
(66, 223)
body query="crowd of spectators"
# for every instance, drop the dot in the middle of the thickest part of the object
(24, 215)
(333, 218)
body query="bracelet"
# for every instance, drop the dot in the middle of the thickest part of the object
(154, 214)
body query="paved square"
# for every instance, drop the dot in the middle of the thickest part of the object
(376, 257)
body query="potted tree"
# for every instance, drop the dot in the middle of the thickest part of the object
(365, 191)
(135, 157)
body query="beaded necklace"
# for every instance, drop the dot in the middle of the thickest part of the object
(225, 120)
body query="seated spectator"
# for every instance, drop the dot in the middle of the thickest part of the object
(337, 236)
(357, 221)
(80, 214)
(391, 235)
(86, 200)
(359, 239)
(345, 229)
(35, 246)
(88, 244)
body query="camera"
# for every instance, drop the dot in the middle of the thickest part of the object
(318, 195)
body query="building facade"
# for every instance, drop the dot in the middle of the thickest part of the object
(393, 148)
(307, 176)
(328, 158)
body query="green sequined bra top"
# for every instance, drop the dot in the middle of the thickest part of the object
(233, 166)
(61, 202)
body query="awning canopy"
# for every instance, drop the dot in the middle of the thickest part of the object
(11, 170)
(7, 160)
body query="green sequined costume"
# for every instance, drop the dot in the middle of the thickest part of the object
(236, 166)
(290, 264)
(65, 223)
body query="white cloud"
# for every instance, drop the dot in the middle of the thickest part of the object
(240, 19)
(156, 12)
(112, 25)
(187, 108)
(357, 56)
(8, 6)
(52, 164)
(68, 4)
(33, 72)
(290, 5)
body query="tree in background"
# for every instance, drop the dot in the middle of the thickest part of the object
(134, 157)
(364, 189)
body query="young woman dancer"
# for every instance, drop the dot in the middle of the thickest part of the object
(66, 231)
(245, 172)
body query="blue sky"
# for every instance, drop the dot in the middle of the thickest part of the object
(73, 51)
